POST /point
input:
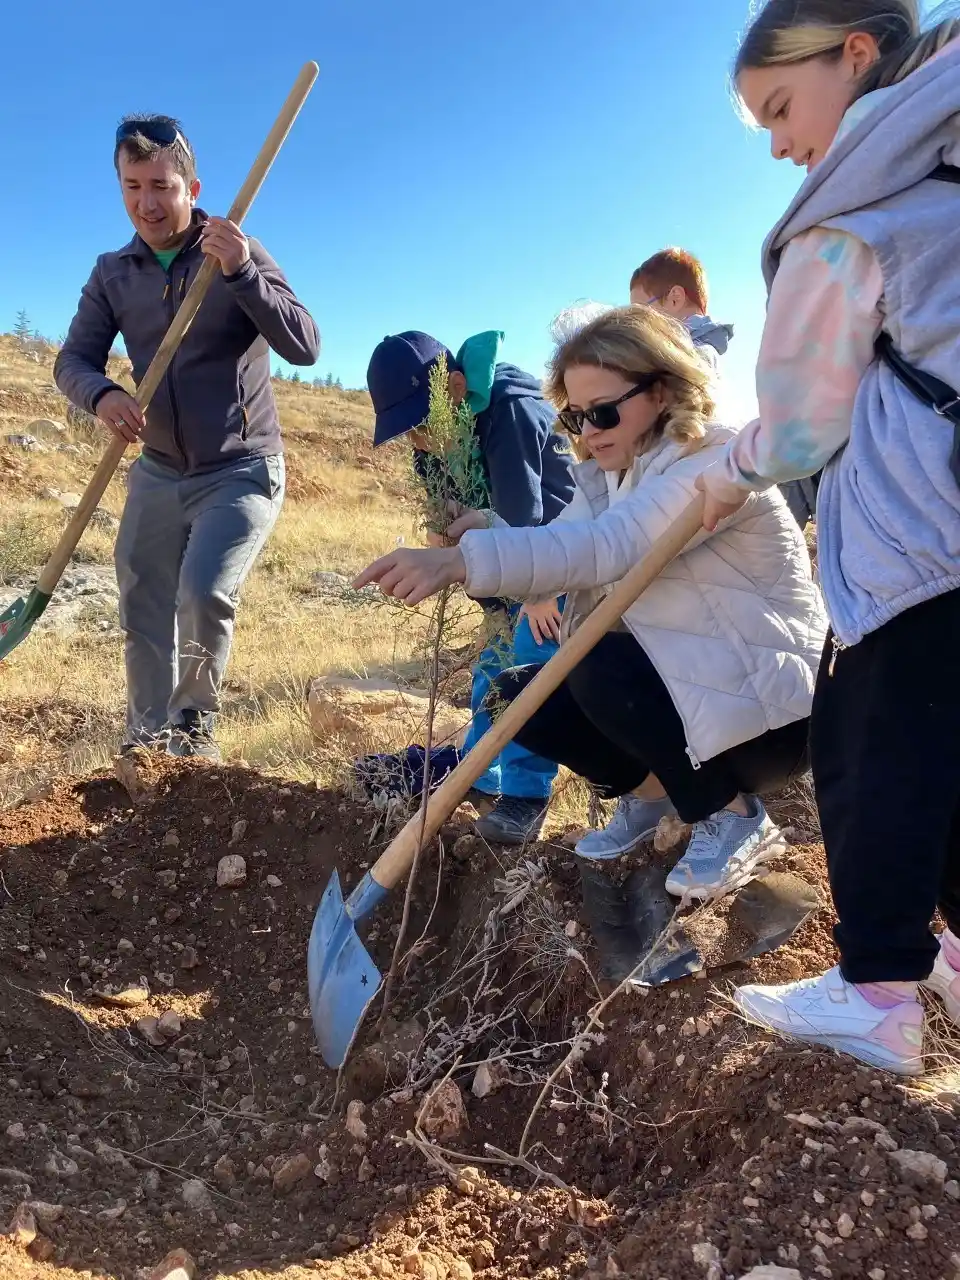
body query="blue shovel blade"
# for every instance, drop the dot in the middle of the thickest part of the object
(341, 977)
(17, 620)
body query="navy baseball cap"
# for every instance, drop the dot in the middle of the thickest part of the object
(398, 379)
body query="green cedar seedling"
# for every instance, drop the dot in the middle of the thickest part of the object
(454, 472)
(452, 478)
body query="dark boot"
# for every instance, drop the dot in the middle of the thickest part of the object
(158, 743)
(512, 820)
(193, 736)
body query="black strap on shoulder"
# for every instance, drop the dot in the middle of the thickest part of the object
(935, 394)
(938, 396)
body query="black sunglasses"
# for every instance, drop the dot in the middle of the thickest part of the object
(605, 416)
(163, 132)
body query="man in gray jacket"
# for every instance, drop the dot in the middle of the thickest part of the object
(207, 488)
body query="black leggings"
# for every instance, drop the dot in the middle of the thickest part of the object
(613, 722)
(886, 764)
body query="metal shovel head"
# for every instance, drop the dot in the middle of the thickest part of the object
(341, 977)
(773, 909)
(626, 922)
(17, 620)
(668, 953)
(762, 916)
(629, 922)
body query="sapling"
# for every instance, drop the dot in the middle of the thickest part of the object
(451, 478)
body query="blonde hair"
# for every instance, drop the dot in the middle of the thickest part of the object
(794, 30)
(635, 341)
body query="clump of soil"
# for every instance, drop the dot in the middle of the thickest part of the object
(161, 1086)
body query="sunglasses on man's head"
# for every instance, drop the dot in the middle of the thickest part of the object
(163, 132)
(607, 415)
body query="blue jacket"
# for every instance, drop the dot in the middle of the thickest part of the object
(526, 460)
(527, 463)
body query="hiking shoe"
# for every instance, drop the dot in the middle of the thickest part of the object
(512, 820)
(723, 848)
(158, 743)
(833, 1012)
(482, 801)
(192, 737)
(945, 983)
(633, 820)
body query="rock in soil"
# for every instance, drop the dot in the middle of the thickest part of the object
(354, 1123)
(444, 1115)
(291, 1171)
(22, 1229)
(196, 1195)
(696, 1147)
(489, 1077)
(177, 1265)
(772, 1273)
(231, 871)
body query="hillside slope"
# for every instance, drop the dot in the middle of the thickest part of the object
(61, 693)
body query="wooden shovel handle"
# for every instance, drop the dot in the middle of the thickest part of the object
(181, 322)
(396, 860)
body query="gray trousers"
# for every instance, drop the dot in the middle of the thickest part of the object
(801, 496)
(184, 547)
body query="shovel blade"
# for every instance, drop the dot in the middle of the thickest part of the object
(668, 953)
(628, 923)
(762, 917)
(773, 909)
(608, 919)
(16, 621)
(342, 979)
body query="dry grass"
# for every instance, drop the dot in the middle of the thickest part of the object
(62, 694)
(342, 512)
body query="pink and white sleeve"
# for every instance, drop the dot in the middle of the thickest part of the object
(823, 318)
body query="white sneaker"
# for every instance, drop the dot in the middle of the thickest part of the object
(945, 983)
(831, 1011)
(633, 820)
(723, 849)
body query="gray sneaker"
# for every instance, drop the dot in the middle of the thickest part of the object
(633, 820)
(722, 847)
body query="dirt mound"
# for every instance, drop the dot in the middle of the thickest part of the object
(162, 1089)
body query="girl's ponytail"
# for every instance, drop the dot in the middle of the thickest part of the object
(896, 65)
(786, 31)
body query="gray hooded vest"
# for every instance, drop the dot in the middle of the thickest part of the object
(888, 509)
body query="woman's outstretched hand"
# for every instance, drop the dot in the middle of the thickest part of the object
(715, 510)
(412, 575)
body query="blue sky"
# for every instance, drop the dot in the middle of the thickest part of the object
(457, 167)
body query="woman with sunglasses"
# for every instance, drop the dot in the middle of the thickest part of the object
(700, 699)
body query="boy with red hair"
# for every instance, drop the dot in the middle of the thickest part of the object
(673, 281)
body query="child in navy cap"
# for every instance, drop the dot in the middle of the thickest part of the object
(526, 467)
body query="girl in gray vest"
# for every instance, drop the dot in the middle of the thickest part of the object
(860, 348)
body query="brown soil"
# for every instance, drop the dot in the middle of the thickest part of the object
(684, 1144)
